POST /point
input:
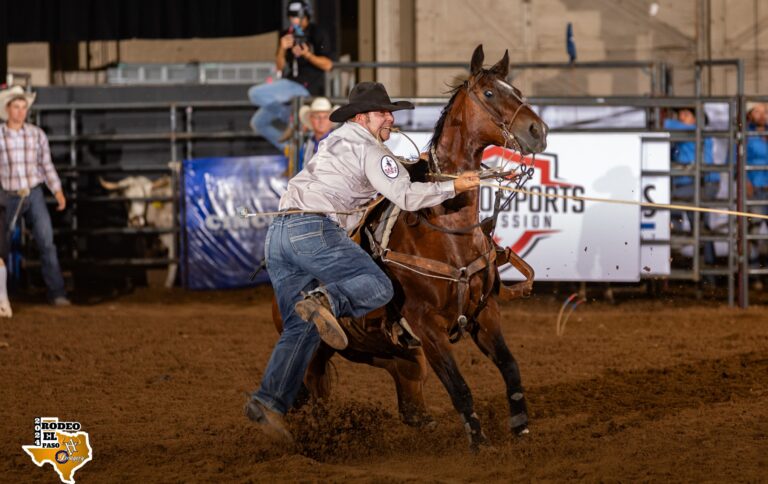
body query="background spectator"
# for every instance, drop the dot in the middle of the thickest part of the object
(304, 54)
(315, 118)
(757, 181)
(684, 154)
(25, 164)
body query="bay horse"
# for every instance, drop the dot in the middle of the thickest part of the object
(448, 242)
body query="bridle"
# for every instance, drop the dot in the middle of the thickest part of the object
(496, 117)
(518, 176)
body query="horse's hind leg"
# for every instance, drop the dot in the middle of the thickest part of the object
(437, 349)
(317, 379)
(491, 342)
(409, 376)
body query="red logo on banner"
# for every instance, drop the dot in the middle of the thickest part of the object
(536, 225)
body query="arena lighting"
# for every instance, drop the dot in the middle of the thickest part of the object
(653, 9)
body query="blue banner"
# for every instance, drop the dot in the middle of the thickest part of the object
(220, 249)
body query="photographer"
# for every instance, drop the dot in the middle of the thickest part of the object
(304, 54)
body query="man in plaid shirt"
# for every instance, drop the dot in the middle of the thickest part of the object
(25, 164)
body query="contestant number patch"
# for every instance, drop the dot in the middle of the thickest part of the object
(389, 167)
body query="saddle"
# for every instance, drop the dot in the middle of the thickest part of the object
(382, 221)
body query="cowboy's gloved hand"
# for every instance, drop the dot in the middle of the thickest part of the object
(466, 181)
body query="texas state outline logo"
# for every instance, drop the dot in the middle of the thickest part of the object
(63, 445)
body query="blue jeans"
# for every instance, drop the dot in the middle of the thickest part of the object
(304, 251)
(36, 215)
(273, 99)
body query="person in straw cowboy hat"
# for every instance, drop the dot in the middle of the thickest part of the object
(318, 273)
(25, 164)
(316, 119)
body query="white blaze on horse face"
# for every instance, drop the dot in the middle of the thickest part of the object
(504, 85)
(509, 89)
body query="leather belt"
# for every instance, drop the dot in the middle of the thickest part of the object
(23, 192)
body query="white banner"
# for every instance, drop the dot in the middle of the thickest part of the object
(654, 224)
(574, 240)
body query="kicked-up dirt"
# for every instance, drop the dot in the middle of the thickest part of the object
(672, 390)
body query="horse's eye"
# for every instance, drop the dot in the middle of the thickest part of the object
(488, 93)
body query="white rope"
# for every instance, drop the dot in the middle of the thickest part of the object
(623, 202)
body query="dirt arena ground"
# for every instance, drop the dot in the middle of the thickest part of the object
(645, 390)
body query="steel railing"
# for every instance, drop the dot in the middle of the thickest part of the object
(181, 137)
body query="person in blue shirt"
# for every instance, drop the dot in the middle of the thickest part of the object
(683, 155)
(757, 154)
(757, 181)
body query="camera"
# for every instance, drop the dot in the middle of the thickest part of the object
(299, 36)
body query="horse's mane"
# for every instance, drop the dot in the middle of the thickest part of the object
(444, 114)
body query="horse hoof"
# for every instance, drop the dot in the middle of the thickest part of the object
(522, 432)
(483, 445)
(425, 422)
(429, 425)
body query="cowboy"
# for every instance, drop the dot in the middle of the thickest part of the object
(309, 252)
(316, 119)
(25, 164)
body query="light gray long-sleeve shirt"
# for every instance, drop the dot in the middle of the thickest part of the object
(349, 170)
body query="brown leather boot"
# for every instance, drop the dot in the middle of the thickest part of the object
(270, 421)
(316, 309)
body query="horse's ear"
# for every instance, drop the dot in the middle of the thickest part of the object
(502, 67)
(477, 60)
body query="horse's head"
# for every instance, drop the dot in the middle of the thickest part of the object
(497, 110)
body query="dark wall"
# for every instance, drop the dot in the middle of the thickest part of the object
(328, 16)
(80, 20)
(348, 26)
(3, 61)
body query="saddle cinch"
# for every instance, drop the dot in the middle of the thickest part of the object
(377, 224)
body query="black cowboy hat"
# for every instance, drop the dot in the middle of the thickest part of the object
(365, 97)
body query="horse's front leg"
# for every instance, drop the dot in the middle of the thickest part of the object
(409, 376)
(487, 335)
(437, 348)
